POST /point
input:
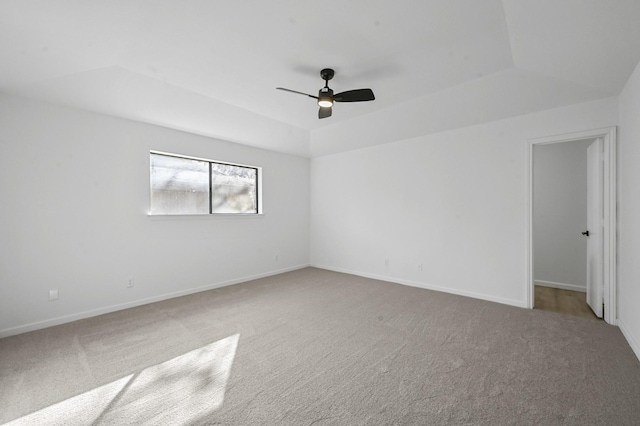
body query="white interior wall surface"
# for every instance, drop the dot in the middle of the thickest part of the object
(629, 212)
(449, 211)
(74, 217)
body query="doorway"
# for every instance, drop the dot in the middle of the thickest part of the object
(574, 269)
(560, 193)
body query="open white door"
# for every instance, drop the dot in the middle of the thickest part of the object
(594, 233)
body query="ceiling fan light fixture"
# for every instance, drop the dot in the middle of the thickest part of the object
(325, 98)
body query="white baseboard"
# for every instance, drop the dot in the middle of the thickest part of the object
(562, 286)
(635, 346)
(511, 302)
(113, 308)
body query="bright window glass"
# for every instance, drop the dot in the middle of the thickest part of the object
(233, 189)
(182, 185)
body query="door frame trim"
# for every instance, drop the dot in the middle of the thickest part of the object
(608, 134)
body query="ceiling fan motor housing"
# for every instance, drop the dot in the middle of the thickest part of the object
(325, 97)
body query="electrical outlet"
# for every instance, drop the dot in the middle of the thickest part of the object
(53, 294)
(419, 266)
(386, 262)
(129, 282)
(277, 257)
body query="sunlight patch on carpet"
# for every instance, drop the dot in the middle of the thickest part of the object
(182, 389)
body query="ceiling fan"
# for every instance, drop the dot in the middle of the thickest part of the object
(326, 98)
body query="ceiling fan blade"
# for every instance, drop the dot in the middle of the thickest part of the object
(358, 95)
(324, 112)
(295, 91)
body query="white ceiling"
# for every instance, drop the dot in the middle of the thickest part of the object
(211, 67)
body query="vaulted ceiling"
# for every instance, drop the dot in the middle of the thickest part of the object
(211, 67)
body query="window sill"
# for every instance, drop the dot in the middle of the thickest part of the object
(206, 216)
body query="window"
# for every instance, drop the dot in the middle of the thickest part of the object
(187, 185)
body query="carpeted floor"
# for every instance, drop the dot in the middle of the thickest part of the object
(314, 347)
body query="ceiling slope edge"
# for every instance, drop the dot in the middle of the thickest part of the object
(498, 96)
(121, 93)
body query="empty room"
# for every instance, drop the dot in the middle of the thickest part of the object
(319, 213)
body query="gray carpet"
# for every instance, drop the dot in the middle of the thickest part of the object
(314, 347)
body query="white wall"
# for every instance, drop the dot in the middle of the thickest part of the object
(74, 190)
(560, 214)
(629, 212)
(456, 202)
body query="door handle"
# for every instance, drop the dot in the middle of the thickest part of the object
(586, 233)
